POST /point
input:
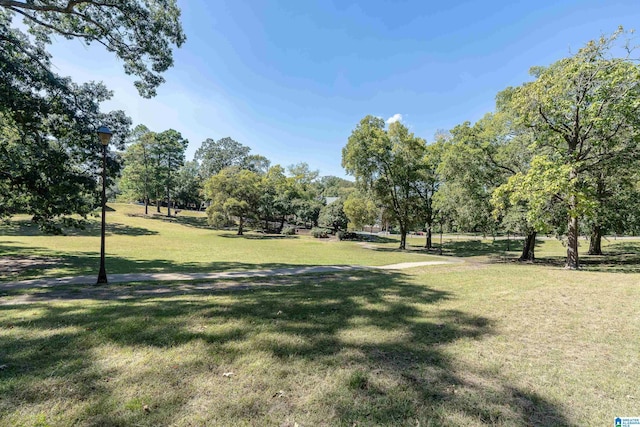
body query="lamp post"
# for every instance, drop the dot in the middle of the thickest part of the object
(104, 133)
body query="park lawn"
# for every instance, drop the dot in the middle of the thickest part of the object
(138, 244)
(456, 345)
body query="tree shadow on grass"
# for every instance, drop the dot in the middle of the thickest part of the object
(23, 263)
(91, 228)
(255, 236)
(470, 248)
(187, 221)
(621, 257)
(607, 263)
(376, 337)
(465, 248)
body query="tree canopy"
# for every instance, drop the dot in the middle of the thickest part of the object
(141, 33)
(387, 163)
(47, 116)
(583, 112)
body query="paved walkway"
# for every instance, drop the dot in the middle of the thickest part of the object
(164, 277)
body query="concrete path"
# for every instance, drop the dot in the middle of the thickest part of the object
(164, 277)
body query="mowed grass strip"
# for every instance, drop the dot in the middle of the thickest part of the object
(455, 345)
(136, 243)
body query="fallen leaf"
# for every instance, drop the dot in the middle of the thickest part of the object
(228, 374)
(146, 408)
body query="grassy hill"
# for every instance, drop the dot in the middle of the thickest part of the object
(136, 243)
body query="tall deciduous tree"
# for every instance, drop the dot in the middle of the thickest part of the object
(188, 185)
(55, 119)
(233, 192)
(585, 110)
(467, 182)
(171, 147)
(139, 178)
(333, 216)
(388, 163)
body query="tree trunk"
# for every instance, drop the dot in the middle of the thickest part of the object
(403, 237)
(168, 202)
(169, 191)
(529, 248)
(429, 243)
(146, 205)
(572, 233)
(240, 224)
(595, 242)
(572, 244)
(281, 224)
(158, 204)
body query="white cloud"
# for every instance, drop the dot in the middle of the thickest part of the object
(395, 118)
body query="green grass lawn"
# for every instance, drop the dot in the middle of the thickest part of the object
(454, 345)
(487, 342)
(138, 244)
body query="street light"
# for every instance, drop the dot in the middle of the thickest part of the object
(104, 133)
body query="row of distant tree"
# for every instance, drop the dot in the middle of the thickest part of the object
(560, 155)
(234, 184)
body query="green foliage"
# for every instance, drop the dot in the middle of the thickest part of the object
(332, 216)
(139, 32)
(233, 192)
(139, 179)
(333, 186)
(188, 185)
(214, 156)
(360, 210)
(539, 189)
(346, 235)
(289, 231)
(320, 233)
(170, 156)
(583, 113)
(48, 146)
(48, 140)
(387, 163)
(152, 164)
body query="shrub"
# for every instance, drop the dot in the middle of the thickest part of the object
(289, 231)
(346, 235)
(320, 233)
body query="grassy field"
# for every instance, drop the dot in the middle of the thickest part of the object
(487, 342)
(137, 244)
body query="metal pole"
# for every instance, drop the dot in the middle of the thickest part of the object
(102, 275)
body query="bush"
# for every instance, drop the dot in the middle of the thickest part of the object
(346, 235)
(320, 233)
(289, 231)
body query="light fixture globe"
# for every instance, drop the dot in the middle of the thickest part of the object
(104, 133)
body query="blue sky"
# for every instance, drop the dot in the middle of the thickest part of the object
(291, 79)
